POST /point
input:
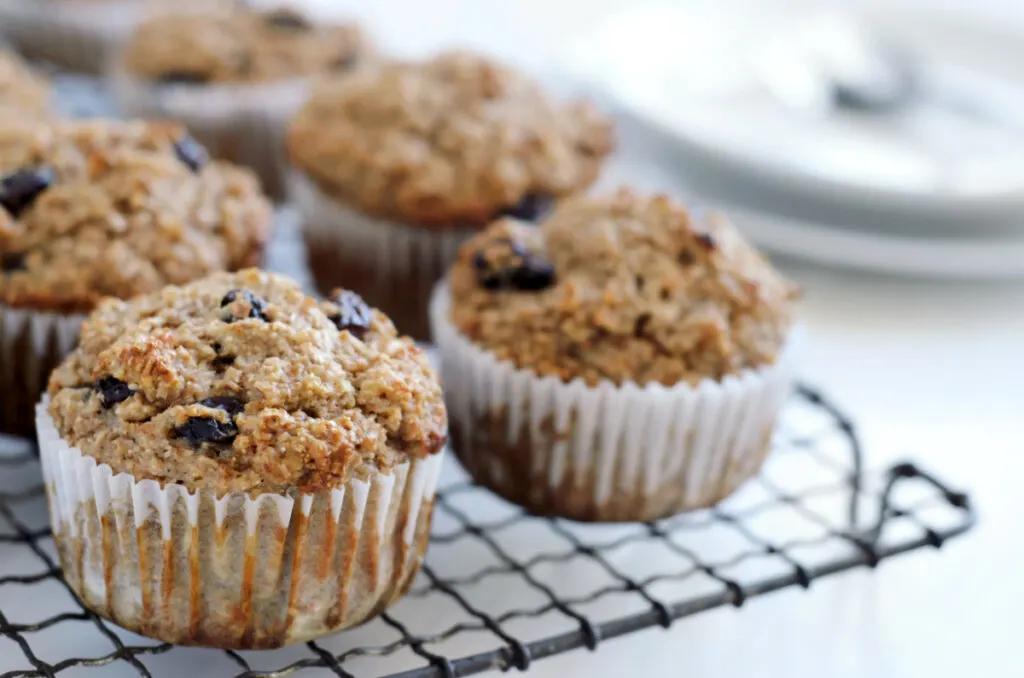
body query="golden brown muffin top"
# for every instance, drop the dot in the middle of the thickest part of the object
(21, 90)
(240, 45)
(241, 383)
(96, 208)
(625, 287)
(453, 140)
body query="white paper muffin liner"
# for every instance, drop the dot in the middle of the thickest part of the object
(393, 266)
(32, 344)
(74, 36)
(235, 571)
(242, 123)
(607, 452)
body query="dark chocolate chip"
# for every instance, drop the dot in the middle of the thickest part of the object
(191, 152)
(257, 306)
(229, 404)
(532, 207)
(353, 315)
(113, 391)
(12, 262)
(287, 20)
(705, 240)
(20, 189)
(199, 430)
(183, 78)
(521, 270)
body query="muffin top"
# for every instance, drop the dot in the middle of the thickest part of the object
(96, 208)
(241, 45)
(626, 288)
(241, 383)
(21, 90)
(455, 140)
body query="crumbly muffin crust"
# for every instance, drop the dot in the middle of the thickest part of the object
(22, 92)
(241, 383)
(239, 45)
(626, 287)
(126, 209)
(449, 141)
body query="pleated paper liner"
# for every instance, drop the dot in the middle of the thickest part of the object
(391, 265)
(32, 344)
(235, 571)
(607, 452)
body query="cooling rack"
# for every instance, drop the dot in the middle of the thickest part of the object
(501, 589)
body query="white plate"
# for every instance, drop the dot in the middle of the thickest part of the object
(688, 69)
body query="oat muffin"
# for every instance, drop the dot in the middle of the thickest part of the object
(234, 76)
(22, 92)
(99, 208)
(623, 360)
(398, 165)
(274, 460)
(75, 35)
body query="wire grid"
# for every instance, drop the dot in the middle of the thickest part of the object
(501, 589)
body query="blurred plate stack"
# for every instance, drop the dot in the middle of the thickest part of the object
(888, 140)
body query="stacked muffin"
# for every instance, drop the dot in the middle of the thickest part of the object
(104, 208)
(399, 164)
(234, 76)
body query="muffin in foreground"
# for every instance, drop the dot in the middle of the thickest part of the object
(234, 76)
(22, 92)
(399, 164)
(76, 35)
(105, 208)
(623, 360)
(234, 464)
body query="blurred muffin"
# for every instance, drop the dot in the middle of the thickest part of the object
(397, 165)
(267, 462)
(620, 361)
(234, 76)
(75, 35)
(22, 92)
(105, 208)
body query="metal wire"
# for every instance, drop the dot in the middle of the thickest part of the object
(841, 479)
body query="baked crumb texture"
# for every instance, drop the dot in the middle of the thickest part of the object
(625, 288)
(447, 142)
(238, 45)
(22, 92)
(106, 208)
(241, 383)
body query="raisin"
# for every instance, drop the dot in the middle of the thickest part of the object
(515, 268)
(199, 430)
(192, 153)
(344, 61)
(354, 314)
(229, 404)
(257, 305)
(287, 20)
(113, 391)
(532, 207)
(20, 189)
(184, 77)
(12, 262)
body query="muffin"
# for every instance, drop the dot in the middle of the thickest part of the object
(623, 360)
(398, 165)
(22, 92)
(74, 35)
(234, 76)
(234, 464)
(104, 208)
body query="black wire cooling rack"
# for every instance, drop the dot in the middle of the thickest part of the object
(501, 589)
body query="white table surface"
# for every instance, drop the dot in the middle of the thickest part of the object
(929, 370)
